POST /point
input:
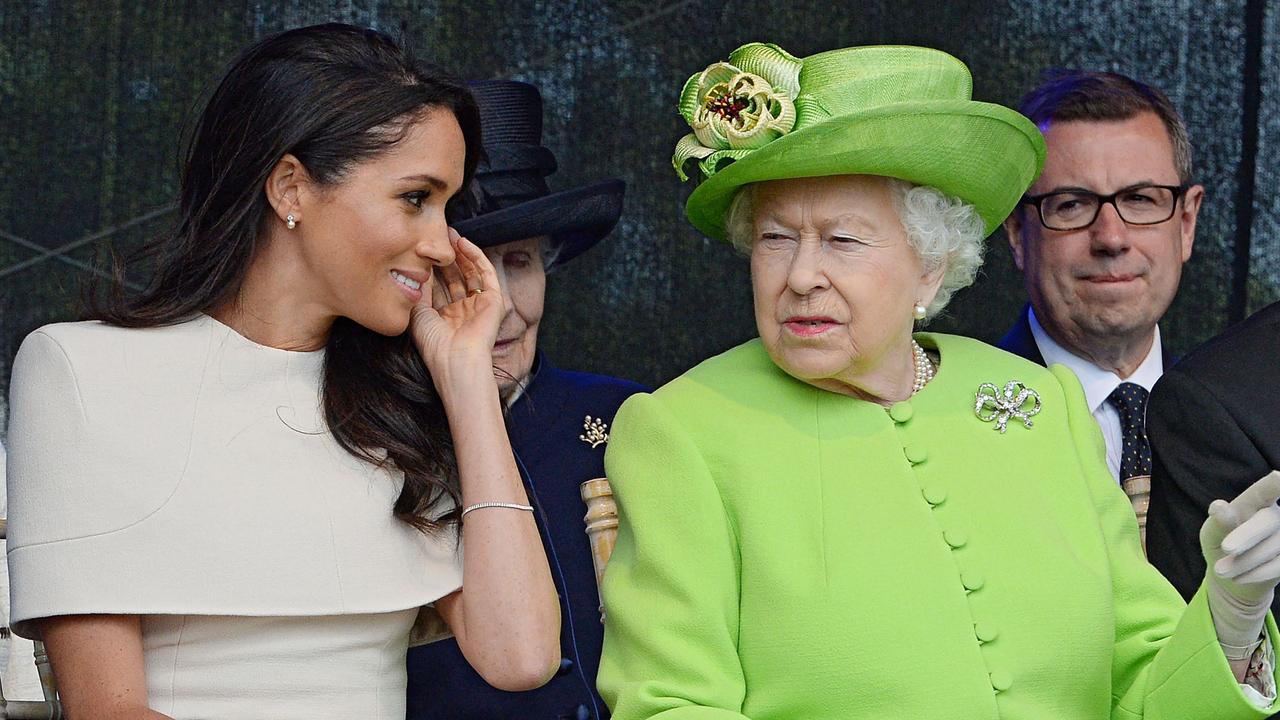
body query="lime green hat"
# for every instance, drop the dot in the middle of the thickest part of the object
(897, 111)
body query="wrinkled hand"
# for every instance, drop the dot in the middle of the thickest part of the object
(455, 328)
(1241, 545)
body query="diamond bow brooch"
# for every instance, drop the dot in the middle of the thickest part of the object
(1014, 401)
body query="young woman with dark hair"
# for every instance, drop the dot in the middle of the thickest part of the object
(231, 493)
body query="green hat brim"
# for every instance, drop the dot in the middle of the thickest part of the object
(984, 154)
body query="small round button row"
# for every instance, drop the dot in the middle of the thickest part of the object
(1001, 680)
(566, 667)
(901, 412)
(972, 580)
(934, 495)
(915, 454)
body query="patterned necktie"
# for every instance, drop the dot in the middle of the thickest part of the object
(1130, 400)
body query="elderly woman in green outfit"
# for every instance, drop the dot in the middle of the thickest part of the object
(842, 519)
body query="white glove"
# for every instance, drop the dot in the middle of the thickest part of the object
(1241, 545)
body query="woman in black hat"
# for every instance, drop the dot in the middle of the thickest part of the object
(557, 420)
(230, 496)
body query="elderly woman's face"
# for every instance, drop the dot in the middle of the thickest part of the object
(835, 280)
(524, 284)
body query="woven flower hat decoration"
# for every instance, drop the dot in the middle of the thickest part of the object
(896, 111)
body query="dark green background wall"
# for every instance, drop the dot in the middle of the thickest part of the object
(94, 95)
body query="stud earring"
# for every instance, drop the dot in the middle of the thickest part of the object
(919, 311)
(290, 222)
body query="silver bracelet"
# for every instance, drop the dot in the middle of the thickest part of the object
(478, 506)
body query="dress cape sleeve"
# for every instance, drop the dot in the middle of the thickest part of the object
(128, 495)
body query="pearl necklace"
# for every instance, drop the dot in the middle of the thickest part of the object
(924, 368)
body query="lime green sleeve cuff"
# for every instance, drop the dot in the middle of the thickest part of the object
(1191, 678)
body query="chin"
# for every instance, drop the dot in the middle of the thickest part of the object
(506, 385)
(807, 363)
(1116, 324)
(389, 323)
(508, 372)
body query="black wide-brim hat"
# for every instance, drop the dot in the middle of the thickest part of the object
(509, 200)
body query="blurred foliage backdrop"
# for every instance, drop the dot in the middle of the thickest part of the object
(94, 96)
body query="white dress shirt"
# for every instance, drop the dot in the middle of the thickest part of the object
(1098, 383)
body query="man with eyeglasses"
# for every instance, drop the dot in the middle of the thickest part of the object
(1100, 239)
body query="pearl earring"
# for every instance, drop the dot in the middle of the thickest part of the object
(919, 311)
(290, 222)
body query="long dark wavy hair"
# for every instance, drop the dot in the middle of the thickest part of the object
(332, 96)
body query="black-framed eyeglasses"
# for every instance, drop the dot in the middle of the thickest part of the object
(1077, 209)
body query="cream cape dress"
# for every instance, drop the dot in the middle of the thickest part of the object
(186, 474)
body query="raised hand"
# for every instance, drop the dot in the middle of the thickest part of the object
(1241, 545)
(455, 328)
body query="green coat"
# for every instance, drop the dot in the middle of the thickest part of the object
(787, 552)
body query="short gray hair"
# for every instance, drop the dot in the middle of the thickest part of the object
(1083, 95)
(944, 231)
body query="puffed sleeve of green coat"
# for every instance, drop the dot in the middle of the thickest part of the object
(1167, 663)
(671, 629)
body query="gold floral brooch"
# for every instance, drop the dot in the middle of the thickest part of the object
(596, 432)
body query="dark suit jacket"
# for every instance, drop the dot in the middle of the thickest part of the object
(1214, 425)
(1021, 342)
(544, 426)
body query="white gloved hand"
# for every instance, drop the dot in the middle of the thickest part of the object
(1241, 545)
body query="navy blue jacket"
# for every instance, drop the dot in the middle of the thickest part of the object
(544, 425)
(1020, 341)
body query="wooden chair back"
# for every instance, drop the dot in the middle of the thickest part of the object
(1138, 488)
(602, 526)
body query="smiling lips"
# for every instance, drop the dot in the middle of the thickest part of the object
(410, 283)
(809, 325)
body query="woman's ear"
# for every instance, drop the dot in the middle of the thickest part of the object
(285, 188)
(930, 282)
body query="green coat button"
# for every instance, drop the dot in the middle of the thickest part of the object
(1001, 680)
(985, 631)
(935, 494)
(900, 412)
(972, 580)
(956, 538)
(915, 454)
